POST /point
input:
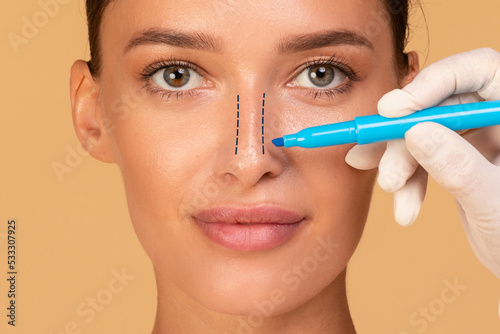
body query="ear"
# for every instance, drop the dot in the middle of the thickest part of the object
(87, 115)
(413, 68)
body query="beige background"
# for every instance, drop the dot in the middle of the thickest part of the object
(74, 232)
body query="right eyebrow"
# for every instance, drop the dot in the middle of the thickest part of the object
(189, 40)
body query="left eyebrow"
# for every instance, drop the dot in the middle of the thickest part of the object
(297, 43)
(175, 38)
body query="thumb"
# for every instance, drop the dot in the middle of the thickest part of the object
(457, 166)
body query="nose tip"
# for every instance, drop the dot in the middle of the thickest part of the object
(252, 158)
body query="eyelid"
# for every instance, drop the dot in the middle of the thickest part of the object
(153, 68)
(333, 61)
(326, 93)
(160, 64)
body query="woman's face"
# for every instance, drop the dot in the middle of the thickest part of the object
(227, 220)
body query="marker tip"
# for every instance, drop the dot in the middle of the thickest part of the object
(279, 142)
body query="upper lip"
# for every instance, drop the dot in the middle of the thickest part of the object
(258, 214)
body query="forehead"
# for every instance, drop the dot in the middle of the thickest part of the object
(246, 22)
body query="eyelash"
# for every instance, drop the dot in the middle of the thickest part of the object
(333, 61)
(159, 65)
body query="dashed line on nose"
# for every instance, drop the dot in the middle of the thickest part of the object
(237, 123)
(263, 106)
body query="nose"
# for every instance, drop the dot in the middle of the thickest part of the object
(252, 157)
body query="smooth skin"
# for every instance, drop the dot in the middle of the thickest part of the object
(177, 152)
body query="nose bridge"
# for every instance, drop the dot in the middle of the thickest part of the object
(252, 157)
(251, 124)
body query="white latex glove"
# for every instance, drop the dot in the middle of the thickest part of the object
(468, 166)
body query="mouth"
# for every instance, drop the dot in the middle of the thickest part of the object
(249, 228)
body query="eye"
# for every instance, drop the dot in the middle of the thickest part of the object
(320, 76)
(177, 78)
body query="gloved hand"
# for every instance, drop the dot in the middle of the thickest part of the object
(466, 165)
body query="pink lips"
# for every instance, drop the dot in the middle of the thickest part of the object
(248, 228)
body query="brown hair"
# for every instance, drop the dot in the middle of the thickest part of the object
(95, 12)
(397, 9)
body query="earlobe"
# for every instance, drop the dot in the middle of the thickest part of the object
(413, 68)
(87, 116)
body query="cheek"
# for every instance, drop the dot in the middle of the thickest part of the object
(345, 205)
(342, 197)
(339, 196)
(160, 161)
(336, 184)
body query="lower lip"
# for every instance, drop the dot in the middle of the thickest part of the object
(248, 237)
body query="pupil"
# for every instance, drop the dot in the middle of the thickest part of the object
(321, 72)
(321, 76)
(176, 76)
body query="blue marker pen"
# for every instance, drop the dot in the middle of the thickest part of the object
(376, 128)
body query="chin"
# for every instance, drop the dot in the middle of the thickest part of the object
(266, 290)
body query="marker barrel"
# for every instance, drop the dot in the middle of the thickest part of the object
(323, 135)
(376, 128)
